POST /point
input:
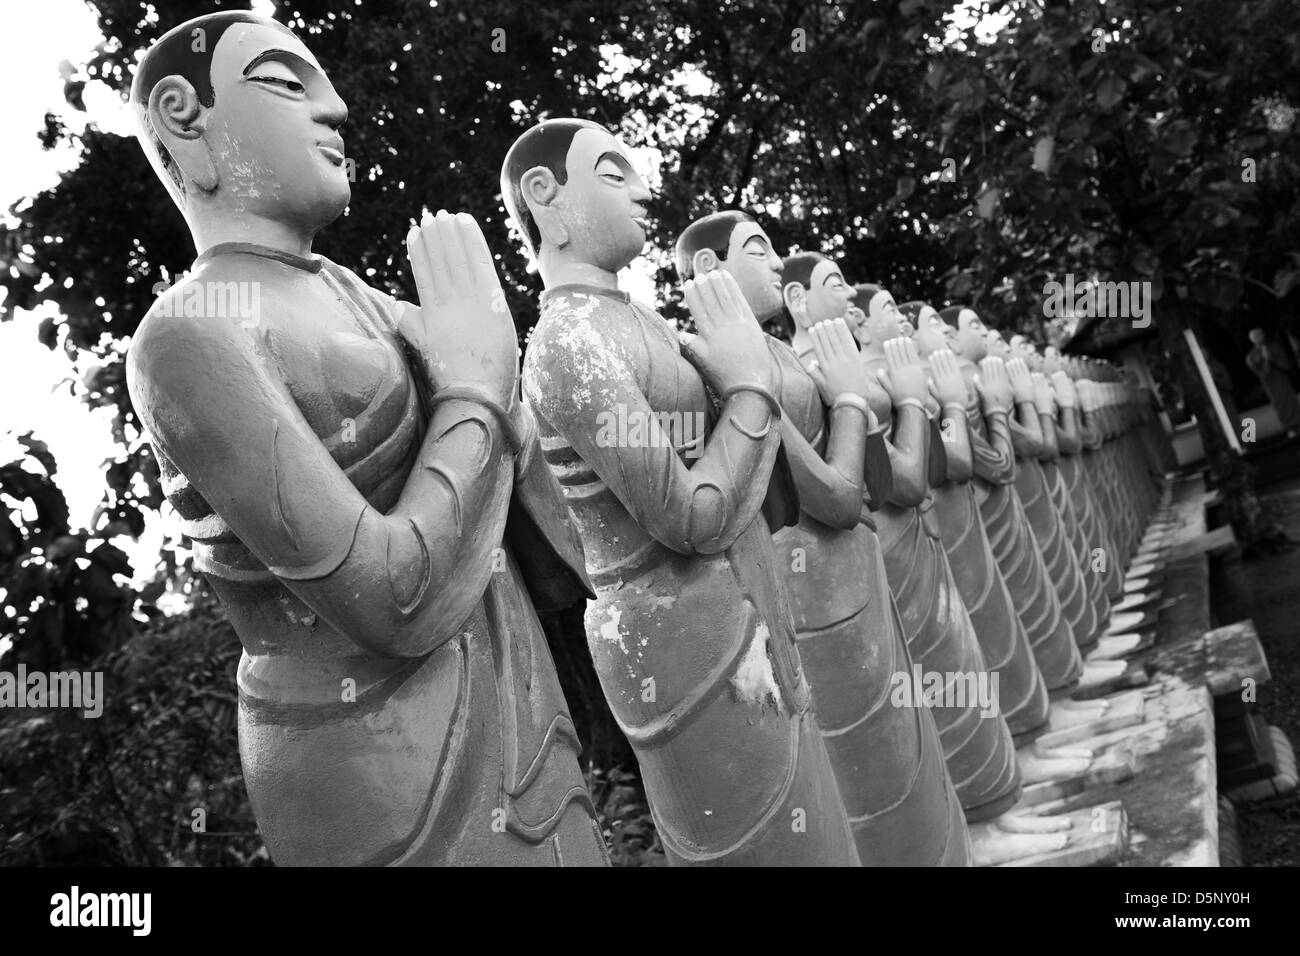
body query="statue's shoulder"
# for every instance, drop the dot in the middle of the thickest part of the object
(574, 323)
(206, 319)
(581, 339)
(567, 308)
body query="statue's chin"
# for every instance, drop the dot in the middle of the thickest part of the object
(326, 209)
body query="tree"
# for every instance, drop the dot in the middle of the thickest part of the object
(1137, 142)
(61, 600)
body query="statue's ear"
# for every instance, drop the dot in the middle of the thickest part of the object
(704, 261)
(540, 191)
(795, 297)
(180, 122)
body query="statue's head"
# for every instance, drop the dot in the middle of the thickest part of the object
(1257, 336)
(922, 323)
(238, 119)
(814, 289)
(1023, 348)
(570, 188)
(881, 320)
(733, 242)
(969, 334)
(997, 345)
(1052, 360)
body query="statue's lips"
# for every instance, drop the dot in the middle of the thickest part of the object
(645, 226)
(333, 151)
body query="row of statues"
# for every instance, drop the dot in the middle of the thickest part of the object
(383, 501)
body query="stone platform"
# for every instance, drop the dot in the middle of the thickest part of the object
(1170, 799)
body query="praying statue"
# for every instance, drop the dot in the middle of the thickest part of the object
(1022, 690)
(977, 741)
(361, 485)
(690, 632)
(991, 410)
(888, 760)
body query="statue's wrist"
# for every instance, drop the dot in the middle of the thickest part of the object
(853, 400)
(756, 389)
(484, 397)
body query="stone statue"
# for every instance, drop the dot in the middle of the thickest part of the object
(1027, 440)
(1077, 488)
(1275, 370)
(888, 760)
(1123, 475)
(1010, 536)
(1060, 471)
(691, 632)
(939, 632)
(1002, 636)
(360, 483)
(1035, 480)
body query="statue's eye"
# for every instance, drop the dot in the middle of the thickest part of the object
(291, 85)
(274, 73)
(610, 171)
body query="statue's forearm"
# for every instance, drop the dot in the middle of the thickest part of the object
(1089, 432)
(411, 577)
(957, 444)
(1026, 432)
(909, 456)
(1050, 451)
(725, 491)
(995, 457)
(830, 489)
(1068, 437)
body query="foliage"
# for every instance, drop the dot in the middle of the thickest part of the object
(60, 597)
(625, 819)
(122, 789)
(1147, 142)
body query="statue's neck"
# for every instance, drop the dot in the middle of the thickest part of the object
(557, 269)
(253, 229)
(873, 350)
(802, 342)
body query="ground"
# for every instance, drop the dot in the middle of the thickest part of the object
(1267, 589)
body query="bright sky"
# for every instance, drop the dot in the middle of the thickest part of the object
(35, 37)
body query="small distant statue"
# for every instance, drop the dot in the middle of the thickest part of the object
(1270, 363)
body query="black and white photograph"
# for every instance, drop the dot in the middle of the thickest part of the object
(683, 433)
